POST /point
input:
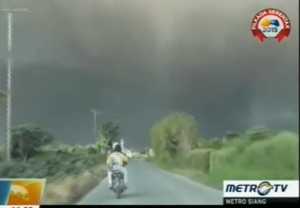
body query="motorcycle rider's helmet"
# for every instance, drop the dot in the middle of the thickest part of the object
(117, 147)
(114, 144)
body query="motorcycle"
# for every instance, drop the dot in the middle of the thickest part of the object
(118, 183)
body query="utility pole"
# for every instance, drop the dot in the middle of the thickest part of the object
(9, 15)
(95, 113)
(122, 144)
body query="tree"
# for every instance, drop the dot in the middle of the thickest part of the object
(174, 135)
(102, 143)
(27, 139)
(109, 132)
(216, 143)
(229, 135)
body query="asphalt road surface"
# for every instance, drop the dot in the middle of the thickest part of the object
(148, 184)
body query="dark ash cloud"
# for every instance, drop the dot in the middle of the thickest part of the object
(137, 61)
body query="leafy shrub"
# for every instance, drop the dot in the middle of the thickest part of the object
(26, 139)
(215, 143)
(174, 135)
(257, 134)
(49, 165)
(199, 159)
(256, 154)
(276, 158)
(35, 157)
(229, 135)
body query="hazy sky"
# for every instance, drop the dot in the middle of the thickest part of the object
(139, 60)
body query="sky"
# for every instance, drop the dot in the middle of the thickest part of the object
(137, 61)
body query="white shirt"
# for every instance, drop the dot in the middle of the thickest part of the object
(116, 163)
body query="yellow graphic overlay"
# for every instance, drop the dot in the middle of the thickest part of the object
(266, 23)
(26, 192)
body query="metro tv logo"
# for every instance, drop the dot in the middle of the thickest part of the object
(262, 189)
(233, 189)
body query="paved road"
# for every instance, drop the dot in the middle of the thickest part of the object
(148, 184)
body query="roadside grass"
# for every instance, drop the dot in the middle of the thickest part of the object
(270, 158)
(71, 189)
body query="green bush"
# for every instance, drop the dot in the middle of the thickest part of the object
(278, 154)
(229, 135)
(50, 165)
(199, 159)
(35, 157)
(275, 158)
(26, 139)
(173, 136)
(257, 154)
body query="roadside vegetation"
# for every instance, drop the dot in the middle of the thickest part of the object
(256, 154)
(71, 171)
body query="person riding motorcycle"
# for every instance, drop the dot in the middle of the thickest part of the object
(116, 161)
